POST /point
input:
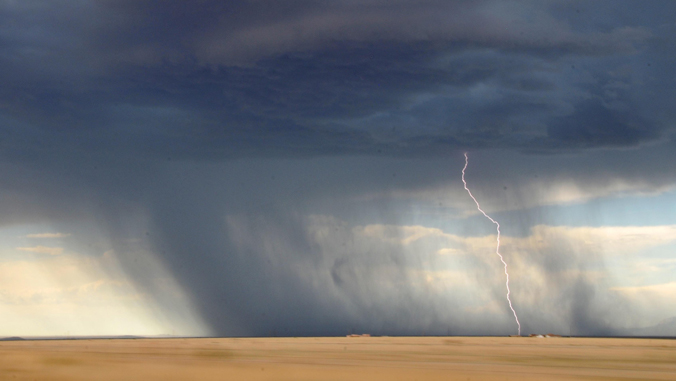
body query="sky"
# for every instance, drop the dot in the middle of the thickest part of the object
(267, 168)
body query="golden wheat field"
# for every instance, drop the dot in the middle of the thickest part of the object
(341, 358)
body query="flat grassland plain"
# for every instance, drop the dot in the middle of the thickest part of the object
(341, 358)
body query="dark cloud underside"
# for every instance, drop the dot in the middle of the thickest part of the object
(225, 125)
(314, 78)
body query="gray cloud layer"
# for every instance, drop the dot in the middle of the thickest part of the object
(226, 79)
(164, 109)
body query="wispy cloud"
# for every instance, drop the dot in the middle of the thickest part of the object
(531, 194)
(47, 235)
(42, 250)
(664, 290)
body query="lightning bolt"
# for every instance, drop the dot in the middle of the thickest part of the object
(497, 250)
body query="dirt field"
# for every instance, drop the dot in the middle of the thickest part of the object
(374, 358)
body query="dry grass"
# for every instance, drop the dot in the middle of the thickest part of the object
(373, 358)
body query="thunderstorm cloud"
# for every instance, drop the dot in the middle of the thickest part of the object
(256, 167)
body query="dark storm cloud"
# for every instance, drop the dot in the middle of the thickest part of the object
(314, 77)
(156, 108)
(594, 124)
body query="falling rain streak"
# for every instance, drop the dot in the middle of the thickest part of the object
(497, 250)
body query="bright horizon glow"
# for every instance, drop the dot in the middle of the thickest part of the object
(59, 290)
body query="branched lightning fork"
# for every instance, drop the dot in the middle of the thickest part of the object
(497, 250)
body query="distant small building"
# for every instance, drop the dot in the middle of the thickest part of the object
(546, 335)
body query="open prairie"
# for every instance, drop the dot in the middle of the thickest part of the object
(341, 358)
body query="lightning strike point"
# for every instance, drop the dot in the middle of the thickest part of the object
(497, 250)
